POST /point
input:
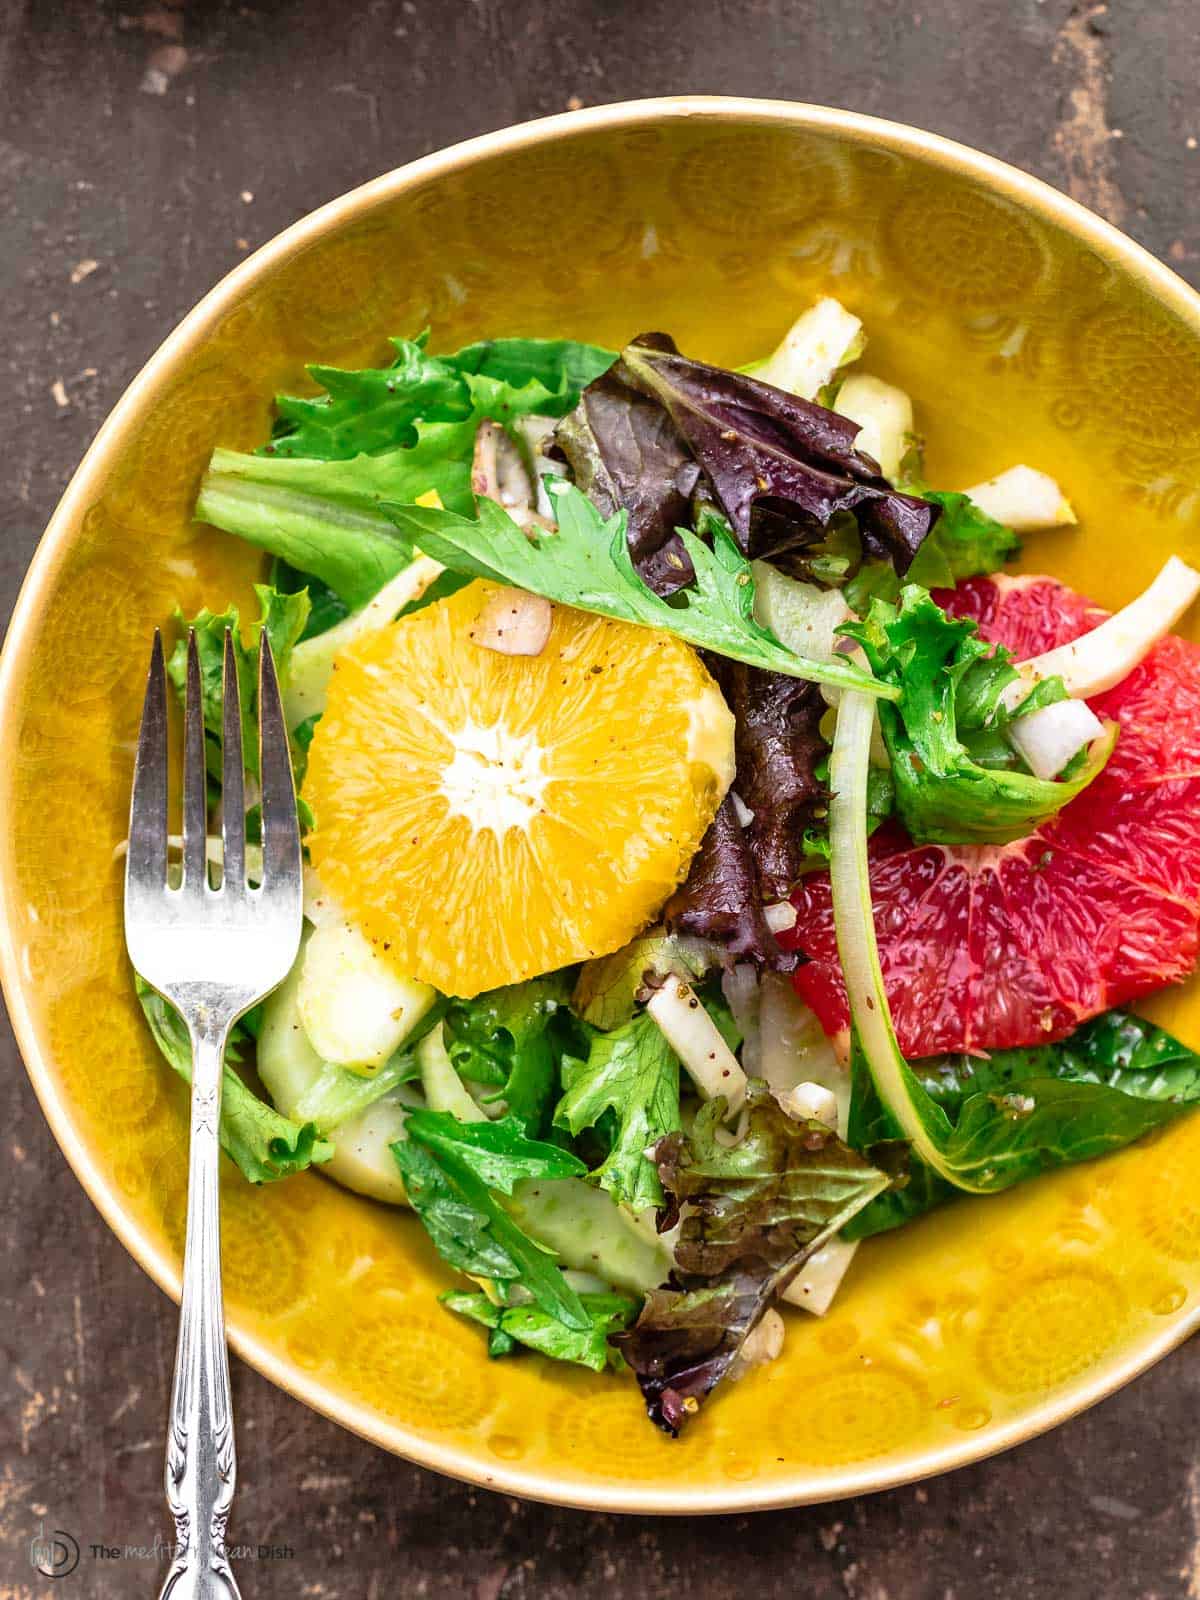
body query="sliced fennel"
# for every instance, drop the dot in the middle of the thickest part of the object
(820, 1278)
(820, 341)
(444, 1089)
(583, 1283)
(804, 617)
(319, 904)
(764, 1343)
(920, 1120)
(796, 1050)
(287, 1063)
(695, 1039)
(312, 660)
(1024, 500)
(362, 1153)
(885, 418)
(803, 1071)
(589, 1231)
(743, 996)
(356, 1011)
(1100, 659)
(364, 1116)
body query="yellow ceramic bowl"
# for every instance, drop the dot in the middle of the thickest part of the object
(1027, 330)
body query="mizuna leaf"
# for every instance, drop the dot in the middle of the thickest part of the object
(587, 564)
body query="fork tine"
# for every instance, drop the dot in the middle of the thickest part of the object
(233, 792)
(280, 824)
(195, 779)
(146, 863)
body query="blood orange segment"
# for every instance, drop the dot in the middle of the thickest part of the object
(1029, 614)
(985, 948)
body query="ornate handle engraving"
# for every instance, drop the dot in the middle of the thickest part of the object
(201, 1467)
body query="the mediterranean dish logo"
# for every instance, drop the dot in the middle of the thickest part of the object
(54, 1553)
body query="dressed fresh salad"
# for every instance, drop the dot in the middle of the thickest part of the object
(714, 857)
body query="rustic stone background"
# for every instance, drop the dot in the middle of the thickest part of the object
(143, 148)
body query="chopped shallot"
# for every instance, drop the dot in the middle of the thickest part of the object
(514, 623)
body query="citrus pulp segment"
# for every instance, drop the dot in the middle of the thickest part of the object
(984, 948)
(484, 818)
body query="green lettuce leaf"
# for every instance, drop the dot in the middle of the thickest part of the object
(321, 517)
(311, 496)
(874, 580)
(950, 681)
(563, 367)
(965, 543)
(1020, 1112)
(282, 619)
(337, 1094)
(587, 564)
(370, 411)
(532, 1327)
(633, 1074)
(498, 1153)
(452, 1170)
(512, 1039)
(263, 1144)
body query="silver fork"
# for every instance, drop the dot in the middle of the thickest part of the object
(213, 953)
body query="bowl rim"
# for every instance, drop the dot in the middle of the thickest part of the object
(468, 1465)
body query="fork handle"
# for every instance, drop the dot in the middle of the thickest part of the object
(201, 1466)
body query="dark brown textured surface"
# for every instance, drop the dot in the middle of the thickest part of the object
(145, 147)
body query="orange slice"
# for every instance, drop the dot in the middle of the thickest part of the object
(484, 818)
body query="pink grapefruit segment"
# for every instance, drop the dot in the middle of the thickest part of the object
(988, 947)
